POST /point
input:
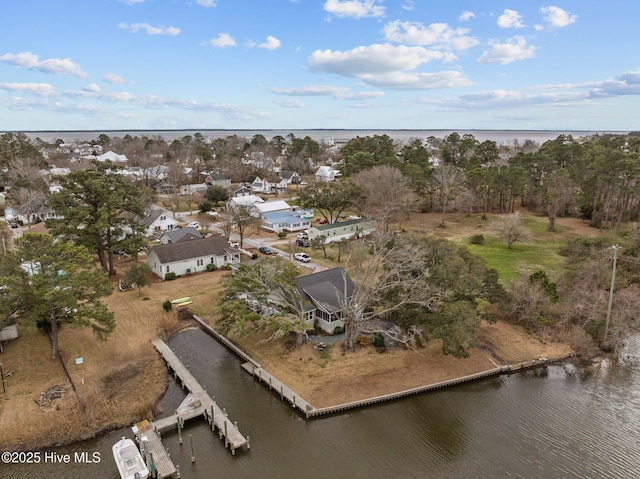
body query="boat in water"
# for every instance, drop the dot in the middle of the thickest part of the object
(129, 460)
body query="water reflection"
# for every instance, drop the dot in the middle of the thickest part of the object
(562, 422)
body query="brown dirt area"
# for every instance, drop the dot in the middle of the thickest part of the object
(121, 380)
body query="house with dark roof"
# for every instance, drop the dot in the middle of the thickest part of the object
(157, 221)
(324, 295)
(180, 234)
(186, 257)
(291, 177)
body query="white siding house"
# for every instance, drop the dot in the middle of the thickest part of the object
(187, 257)
(158, 221)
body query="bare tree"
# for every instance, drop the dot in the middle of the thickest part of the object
(559, 192)
(393, 278)
(510, 228)
(244, 222)
(385, 190)
(446, 181)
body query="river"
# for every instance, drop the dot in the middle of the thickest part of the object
(560, 422)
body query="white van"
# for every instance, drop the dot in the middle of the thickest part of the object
(303, 235)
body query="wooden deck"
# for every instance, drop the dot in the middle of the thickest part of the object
(227, 429)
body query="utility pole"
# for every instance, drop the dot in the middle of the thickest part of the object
(613, 280)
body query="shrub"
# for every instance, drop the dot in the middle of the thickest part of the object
(167, 305)
(282, 234)
(378, 339)
(211, 267)
(338, 330)
(363, 340)
(170, 276)
(477, 239)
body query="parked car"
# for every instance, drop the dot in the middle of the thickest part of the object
(234, 244)
(194, 224)
(13, 225)
(266, 250)
(303, 242)
(303, 235)
(304, 257)
(322, 221)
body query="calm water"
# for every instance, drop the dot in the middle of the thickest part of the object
(563, 422)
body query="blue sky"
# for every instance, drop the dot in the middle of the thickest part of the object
(296, 64)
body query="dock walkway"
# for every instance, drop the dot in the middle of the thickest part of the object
(208, 407)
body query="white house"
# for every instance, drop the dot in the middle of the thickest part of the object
(272, 206)
(194, 188)
(187, 257)
(327, 173)
(342, 230)
(248, 201)
(113, 158)
(158, 221)
(291, 177)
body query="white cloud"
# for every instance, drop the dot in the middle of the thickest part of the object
(408, 5)
(292, 103)
(509, 51)
(354, 8)
(340, 93)
(206, 3)
(114, 78)
(58, 66)
(626, 84)
(417, 81)
(150, 29)
(272, 43)
(223, 40)
(556, 17)
(437, 34)
(466, 16)
(92, 87)
(38, 89)
(510, 19)
(372, 59)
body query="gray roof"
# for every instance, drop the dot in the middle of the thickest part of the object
(182, 234)
(152, 215)
(184, 250)
(326, 288)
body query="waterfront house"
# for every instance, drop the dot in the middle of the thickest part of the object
(324, 295)
(187, 257)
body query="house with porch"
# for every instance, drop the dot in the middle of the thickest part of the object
(343, 230)
(187, 257)
(324, 295)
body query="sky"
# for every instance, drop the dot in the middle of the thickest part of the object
(334, 64)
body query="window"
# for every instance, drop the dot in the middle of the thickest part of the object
(163, 217)
(167, 269)
(199, 262)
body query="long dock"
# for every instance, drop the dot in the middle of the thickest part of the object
(216, 416)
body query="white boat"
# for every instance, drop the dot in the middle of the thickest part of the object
(129, 460)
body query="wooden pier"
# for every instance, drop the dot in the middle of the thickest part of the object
(202, 404)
